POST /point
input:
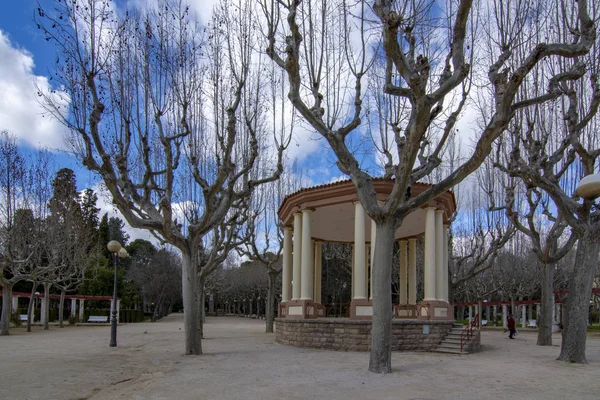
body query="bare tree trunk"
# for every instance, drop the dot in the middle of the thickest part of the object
(513, 308)
(6, 310)
(381, 333)
(200, 306)
(61, 309)
(580, 290)
(46, 305)
(269, 312)
(546, 307)
(157, 312)
(30, 313)
(189, 273)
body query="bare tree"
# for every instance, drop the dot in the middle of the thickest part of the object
(170, 119)
(24, 191)
(552, 147)
(479, 234)
(263, 233)
(429, 55)
(554, 164)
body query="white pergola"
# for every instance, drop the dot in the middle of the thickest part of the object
(333, 213)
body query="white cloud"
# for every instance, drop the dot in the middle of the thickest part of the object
(203, 9)
(20, 111)
(106, 207)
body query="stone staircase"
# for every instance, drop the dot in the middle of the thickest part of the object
(451, 343)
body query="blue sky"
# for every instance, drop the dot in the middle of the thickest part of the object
(26, 63)
(27, 60)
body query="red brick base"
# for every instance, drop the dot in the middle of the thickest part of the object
(351, 335)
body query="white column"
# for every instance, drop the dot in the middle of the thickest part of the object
(504, 316)
(81, 310)
(118, 309)
(15, 303)
(412, 271)
(403, 281)
(373, 239)
(43, 311)
(523, 315)
(537, 312)
(297, 256)
(353, 269)
(307, 277)
(359, 252)
(470, 313)
(73, 307)
(439, 255)
(366, 279)
(318, 272)
(429, 269)
(286, 278)
(445, 265)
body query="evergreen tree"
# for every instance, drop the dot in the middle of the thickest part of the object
(64, 204)
(103, 236)
(116, 232)
(89, 213)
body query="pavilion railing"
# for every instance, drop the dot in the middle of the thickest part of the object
(469, 331)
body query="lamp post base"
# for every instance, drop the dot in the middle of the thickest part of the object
(113, 330)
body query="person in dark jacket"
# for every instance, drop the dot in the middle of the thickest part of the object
(512, 327)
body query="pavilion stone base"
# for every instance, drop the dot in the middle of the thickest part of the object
(435, 310)
(405, 311)
(301, 309)
(355, 335)
(361, 309)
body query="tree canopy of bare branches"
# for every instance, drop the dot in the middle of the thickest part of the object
(427, 56)
(169, 115)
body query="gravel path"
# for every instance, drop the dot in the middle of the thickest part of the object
(242, 362)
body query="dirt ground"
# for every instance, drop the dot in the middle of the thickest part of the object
(242, 362)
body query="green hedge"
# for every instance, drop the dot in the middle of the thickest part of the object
(36, 313)
(131, 316)
(125, 315)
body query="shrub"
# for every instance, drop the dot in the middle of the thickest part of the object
(14, 318)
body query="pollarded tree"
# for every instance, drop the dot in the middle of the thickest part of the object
(551, 240)
(550, 151)
(170, 118)
(425, 57)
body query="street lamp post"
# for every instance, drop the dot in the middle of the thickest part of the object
(115, 248)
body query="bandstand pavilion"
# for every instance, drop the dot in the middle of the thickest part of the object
(333, 213)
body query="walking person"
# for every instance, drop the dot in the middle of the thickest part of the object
(510, 322)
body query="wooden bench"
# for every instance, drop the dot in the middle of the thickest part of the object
(532, 324)
(23, 317)
(98, 318)
(484, 322)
